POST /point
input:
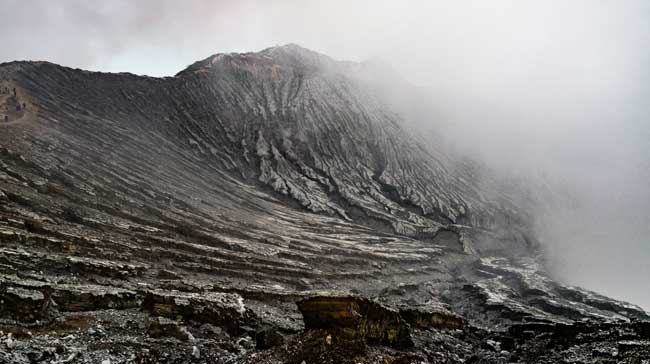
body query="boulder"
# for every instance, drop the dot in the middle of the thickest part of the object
(268, 338)
(162, 327)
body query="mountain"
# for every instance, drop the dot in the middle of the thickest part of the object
(264, 198)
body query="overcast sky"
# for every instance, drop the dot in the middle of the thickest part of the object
(554, 87)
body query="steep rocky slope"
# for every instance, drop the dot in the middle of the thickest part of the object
(268, 195)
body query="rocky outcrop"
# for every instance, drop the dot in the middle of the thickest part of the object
(92, 298)
(373, 322)
(510, 290)
(68, 297)
(221, 309)
(362, 318)
(25, 306)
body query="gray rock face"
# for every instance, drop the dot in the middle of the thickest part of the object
(269, 176)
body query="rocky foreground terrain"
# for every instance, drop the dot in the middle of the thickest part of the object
(267, 208)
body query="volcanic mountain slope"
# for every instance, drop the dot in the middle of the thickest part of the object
(242, 185)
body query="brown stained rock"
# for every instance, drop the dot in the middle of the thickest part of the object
(220, 309)
(366, 319)
(424, 317)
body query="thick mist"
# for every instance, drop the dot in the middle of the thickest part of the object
(553, 93)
